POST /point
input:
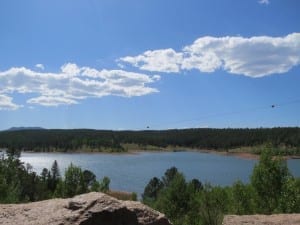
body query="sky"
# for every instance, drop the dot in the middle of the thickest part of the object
(141, 64)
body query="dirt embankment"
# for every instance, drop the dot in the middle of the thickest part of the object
(276, 219)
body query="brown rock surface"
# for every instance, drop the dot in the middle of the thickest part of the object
(87, 209)
(276, 219)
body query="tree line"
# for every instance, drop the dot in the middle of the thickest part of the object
(286, 140)
(19, 183)
(272, 189)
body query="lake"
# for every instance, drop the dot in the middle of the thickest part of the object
(131, 172)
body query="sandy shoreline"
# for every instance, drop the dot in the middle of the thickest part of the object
(242, 155)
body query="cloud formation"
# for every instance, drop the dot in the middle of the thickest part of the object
(71, 85)
(7, 104)
(256, 56)
(40, 66)
(163, 60)
(253, 57)
(264, 2)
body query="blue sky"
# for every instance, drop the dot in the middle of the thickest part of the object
(115, 64)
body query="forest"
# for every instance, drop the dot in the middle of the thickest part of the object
(285, 140)
(19, 183)
(272, 189)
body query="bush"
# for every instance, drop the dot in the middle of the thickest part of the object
(268, 180)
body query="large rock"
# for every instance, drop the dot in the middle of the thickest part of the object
(87, 209)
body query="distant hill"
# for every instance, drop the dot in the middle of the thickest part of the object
(25, 128)
(285, 140)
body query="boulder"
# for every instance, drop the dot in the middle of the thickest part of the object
(86, 209)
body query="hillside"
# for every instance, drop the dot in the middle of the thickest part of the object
(285, 140)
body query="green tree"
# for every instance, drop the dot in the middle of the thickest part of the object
(152, 189)
(95, 186)
(242, 198)
(44, 174)
(13, 152)
(174, 199)
(89, 178)
(196, 185)
(213, 203)
(54, 176)
(289, 201)
(104, 184)
(268, 179)
(73, 183)
(169, 176)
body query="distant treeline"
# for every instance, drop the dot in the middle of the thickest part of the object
(104, 140)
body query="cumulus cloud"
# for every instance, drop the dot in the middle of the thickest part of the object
(256, 56)
(264, 2)
(40, 66)
(71, 85)
(163, 60)
(7, 104)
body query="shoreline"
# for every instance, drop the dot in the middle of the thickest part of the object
(242, 155)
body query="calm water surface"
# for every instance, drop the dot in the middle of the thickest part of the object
(131, 172)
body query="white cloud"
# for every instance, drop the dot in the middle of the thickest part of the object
(254, 57)
(163, 60)
(71, 85)
(40, 66)
(7, 104)
(120, 65)
(265, 2)
(70, 69)
(51, 101)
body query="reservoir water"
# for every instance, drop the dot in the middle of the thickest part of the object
(131, 172)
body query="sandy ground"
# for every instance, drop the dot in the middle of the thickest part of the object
(276, 219)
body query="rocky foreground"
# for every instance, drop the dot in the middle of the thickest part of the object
(87, 209)
(276, 219)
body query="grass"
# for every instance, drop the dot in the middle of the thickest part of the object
(122, 195)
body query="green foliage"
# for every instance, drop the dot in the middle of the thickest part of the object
(289, 201)
(53, 176)
(174, 198)
(169, 176)
(272, 190)
(134, 196)
(18, 183)
(195, 185)
(104, 185)
(213, 203)
(95, 186)
(13, 152)
(152, 189)
(73, 183)
(242, 198)
(268, 180)
(89, 178)
(286, 141)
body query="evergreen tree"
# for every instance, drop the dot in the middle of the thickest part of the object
(74, 182)
(104, 185)
(54, 176)
(169, 175)
(268, 179)
(152, 189)
(89, 178)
